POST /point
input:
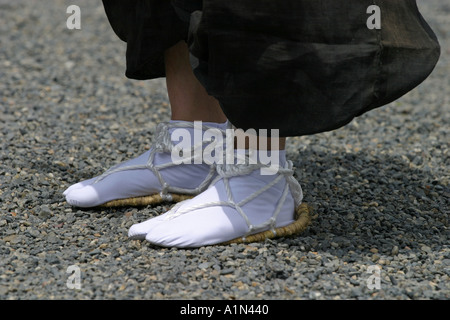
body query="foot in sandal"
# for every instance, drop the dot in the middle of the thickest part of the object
(241, 202)
(152, 173)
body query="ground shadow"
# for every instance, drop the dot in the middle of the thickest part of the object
(371, 202)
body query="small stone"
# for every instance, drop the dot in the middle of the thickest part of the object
(11, 238)
(226, 271)
(45, 212)
(314, 295)
(334, 244)
(394, 250)
(34, 233)
(204, 265)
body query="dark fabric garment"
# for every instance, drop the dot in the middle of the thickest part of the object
(148, 28)
(301, 66)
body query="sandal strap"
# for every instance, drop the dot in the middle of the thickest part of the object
(227, 171)
(163, 143)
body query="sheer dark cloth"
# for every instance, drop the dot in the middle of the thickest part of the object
(300, 66)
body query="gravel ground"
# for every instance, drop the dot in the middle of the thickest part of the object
(379, 186)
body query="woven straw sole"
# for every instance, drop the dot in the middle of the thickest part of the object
(145, 201)
(303, 215)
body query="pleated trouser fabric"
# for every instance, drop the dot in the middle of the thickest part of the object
(300, 66)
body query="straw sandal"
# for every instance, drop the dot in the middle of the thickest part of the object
(268, 229)
(303, 216)
(162, 143)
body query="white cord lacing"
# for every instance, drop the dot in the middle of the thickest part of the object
(228, 171)
(163, 143)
